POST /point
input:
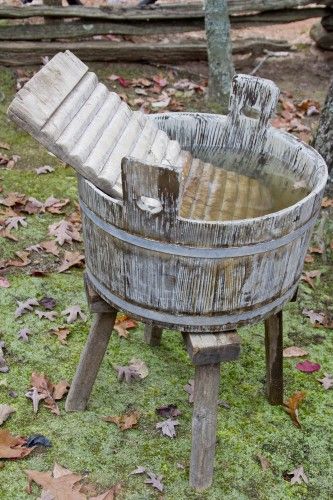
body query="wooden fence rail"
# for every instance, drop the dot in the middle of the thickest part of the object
(74, 26)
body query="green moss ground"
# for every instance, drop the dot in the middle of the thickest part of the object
(85, 444)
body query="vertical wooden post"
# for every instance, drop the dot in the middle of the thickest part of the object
(206, 390)
(206, 352)
(153, 335)
(274, 358)
(90, 361)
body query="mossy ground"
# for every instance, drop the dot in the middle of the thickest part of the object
(85, 444)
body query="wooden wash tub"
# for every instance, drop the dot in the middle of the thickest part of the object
(144, 257)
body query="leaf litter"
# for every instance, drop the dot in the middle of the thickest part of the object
(291, 406)
(124, 422)
(136, 370)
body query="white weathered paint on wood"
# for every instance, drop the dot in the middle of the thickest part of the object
(196, 275)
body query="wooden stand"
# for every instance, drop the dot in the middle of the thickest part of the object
(206, 351)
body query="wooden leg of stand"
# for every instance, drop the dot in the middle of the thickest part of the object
(206, 352)
(153, 335)
(206, 390)
(274, 358)
(90, 361)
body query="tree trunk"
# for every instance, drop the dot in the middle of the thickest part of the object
(221, 68)
(324, 139)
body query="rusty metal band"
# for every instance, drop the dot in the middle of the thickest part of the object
(188, 320)
(188, 251)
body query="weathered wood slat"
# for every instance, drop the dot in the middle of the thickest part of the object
(160, 13)
(84, 29)
(25, 53)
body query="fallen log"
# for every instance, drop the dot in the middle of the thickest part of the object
(25, 53)
(83, 29)
(158, 13)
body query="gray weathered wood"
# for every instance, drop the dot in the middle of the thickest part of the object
(221, 68)
(274, 358)
(142, 255)
(86, 29)
(153, 335)
(25, 53)
(90, 361)
(324, 137)
(162, 12)
(206, 389)
(212, 348)
(95, 302)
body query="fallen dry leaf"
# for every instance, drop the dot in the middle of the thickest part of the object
(294, 352)
(124, 323)
(327, 202)
(5, 233)
(44, 170)
(307, 366)
(63, 484)
(48, 303)
(314, 316)
(168, 411)
(25, 306)
(23, 334)
(168, 427)
(71, 259)
(155, 481)
(50, 315)
(50, 247)
(4, 283)
(299, 476)
(54, 206)
(4, 145)
(319, 250)
(327, 381)
(35, 397)
(60, 389)
(14, 222)
(73, 313)
(64, 232)
(12, 446)
(3, 365)
(5, 411)
(21, 262)
(13, 199)
(291, 406)
(309, 275)
(62, 333)
(126, 421)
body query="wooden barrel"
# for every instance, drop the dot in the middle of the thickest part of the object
(195, 275)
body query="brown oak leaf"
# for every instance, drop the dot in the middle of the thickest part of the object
(64, 232)
(124, 323)
(126, 421)
(5, 412)
(12, 446)
(50, 315)
(71, 259)
(22, 260)
(14, 222)
(62, 333)
(291, 406)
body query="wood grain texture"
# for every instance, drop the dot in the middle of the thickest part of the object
(274, 358)
(209, 349)
(206, 388)
(162, 12)
(153, 335)
(90, 361)
(172, 270)
(16, 53)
